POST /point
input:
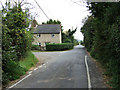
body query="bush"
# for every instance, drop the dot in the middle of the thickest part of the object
(59, 47)
(12, 72)
(16, 40)
(15, 69)
(102, 38)
(35, 47)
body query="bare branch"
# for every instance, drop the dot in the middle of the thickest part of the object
(81, 3)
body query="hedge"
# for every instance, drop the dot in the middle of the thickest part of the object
(59, 47)
(35, 47)
(102, 38)
(16, 40)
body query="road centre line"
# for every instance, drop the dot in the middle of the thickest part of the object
(88, 74)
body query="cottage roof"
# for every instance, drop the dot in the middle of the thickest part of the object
(48, 29)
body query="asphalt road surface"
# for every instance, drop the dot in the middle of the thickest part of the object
(64, 69)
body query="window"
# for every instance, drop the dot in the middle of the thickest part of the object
(52, 35)
(39, 44)
(38, 35)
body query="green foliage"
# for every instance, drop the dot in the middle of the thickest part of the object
(102, 37)
(88, 32)
(29, 61)
(12, 71)
(52, 22)
(16, 40)
(59, 47)
(82, 42)
(35, 47)
(15, 33)
(68, 37)
(76, 42)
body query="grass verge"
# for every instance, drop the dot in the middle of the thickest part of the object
(29, 61)
(17, 69)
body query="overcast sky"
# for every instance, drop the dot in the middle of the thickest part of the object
(69, 13)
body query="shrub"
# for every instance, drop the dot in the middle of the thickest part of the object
(16, 40)
(59, 47)
(12, 72)
(35, 47)
(15, 69)
(102, 38)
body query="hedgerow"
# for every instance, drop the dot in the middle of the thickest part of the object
(102, 38)
(35, 47)
(59, 47)
(16, 41)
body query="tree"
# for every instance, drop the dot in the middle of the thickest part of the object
(52, 22)
(88, 31)
(102, 37)
(69, 38)
(16, 40)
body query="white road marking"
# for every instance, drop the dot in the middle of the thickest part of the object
(88, 74)
(26, 76)
(39, 66)
(19, 81)
(35, 69)
(30, 72)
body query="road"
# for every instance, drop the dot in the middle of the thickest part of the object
(64, 69)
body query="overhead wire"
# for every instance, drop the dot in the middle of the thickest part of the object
(41, 9)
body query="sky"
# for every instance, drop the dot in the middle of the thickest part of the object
(66, 11)
(69, 13)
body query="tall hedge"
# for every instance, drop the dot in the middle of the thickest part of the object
(102, 37)
(16, 40)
